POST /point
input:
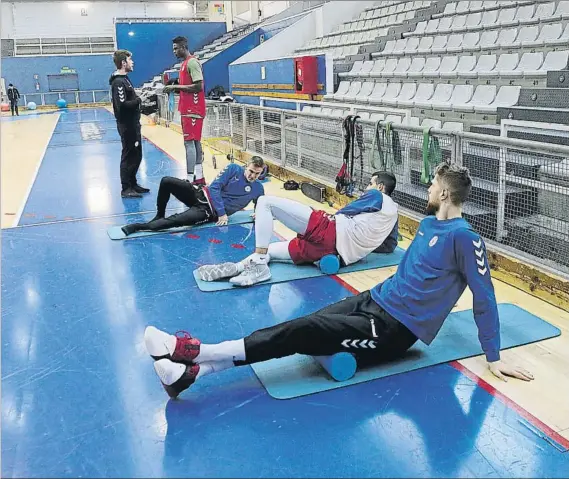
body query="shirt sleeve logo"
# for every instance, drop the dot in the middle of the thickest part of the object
(479, 253)
(433, 241)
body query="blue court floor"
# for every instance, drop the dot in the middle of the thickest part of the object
(79, 394)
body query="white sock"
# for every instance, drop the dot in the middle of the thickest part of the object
(199, 171)
(222, 352)
(213, 367)
(190, 177)
(257, 258)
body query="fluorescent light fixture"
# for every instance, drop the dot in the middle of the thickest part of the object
(178, 5)
(131, 34)
(77, 5)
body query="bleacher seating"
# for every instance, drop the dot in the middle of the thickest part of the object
(458, 65)
(223, 42)
(374, 23)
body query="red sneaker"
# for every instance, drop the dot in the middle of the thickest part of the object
(159, 344)
(175, 377)
(200, 182)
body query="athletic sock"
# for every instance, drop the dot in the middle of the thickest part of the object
(190, 177)
(199, 172)
(132, 228)
(257, 258)
(222, 352)
(214, 367)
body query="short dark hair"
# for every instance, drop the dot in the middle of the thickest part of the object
(9, 84)
(256, 161)
(121, 56)
(457, 179)
(388, 179)
(182, 41)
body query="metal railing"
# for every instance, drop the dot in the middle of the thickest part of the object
(72, 97)
(520, 195)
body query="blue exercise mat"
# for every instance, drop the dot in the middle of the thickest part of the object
(300, 375)
(281, 272)
(238, 218)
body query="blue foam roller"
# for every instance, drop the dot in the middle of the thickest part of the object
(341, 366)
(329, 264)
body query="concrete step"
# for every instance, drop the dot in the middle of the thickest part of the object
(520, 201)
(544, 98)
(541, 236)
(546, 115)
(483, 162)
(557, 138)
(558, 79)
(414, 197)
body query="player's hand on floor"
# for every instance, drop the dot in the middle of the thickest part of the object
(222, 220)
(501, 370)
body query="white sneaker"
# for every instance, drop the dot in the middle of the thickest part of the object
(213, 272)
(253, 273)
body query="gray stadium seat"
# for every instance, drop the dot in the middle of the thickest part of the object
(506, 96)
(529, 62)
(441, 95)
(483, 95)
(424, 94)
(377, 94)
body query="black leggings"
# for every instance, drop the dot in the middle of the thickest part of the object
(193, 197)
(357, 325)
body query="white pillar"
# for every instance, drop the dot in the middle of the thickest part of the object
(254, 9)
(228, 8)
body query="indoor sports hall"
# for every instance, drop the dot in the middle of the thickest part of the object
(326, 93)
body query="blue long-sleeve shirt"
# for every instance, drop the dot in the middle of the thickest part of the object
(231, 192)
(444, 258)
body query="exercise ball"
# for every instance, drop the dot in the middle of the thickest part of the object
(5, 107)
(32, 105)
(61, 103)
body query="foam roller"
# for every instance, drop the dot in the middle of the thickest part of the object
(329, 264)
(341, 366)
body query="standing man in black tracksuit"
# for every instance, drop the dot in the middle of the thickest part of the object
(13, 97)
(126, 106)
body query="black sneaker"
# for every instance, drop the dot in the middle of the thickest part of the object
(140, 189)
(130, 193)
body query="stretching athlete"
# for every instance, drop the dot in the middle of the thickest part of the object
(445, 256)
(352, 233)
(233, 189)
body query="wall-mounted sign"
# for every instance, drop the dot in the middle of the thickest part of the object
(65, 70)
(219, 7)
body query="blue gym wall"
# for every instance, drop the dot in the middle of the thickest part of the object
(277, 72)
(151, 44)
(93, 71)
(216, 68)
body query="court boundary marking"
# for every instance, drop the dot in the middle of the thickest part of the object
(555, 439)
(18, 216)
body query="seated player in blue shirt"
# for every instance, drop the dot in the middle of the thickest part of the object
(233, 189)
(445, 257)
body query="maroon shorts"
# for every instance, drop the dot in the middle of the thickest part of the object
(192, 128)
(318, 240)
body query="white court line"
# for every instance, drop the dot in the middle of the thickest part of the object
(22, 207)
(89, 218)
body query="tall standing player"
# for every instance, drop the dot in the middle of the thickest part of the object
(191, 108)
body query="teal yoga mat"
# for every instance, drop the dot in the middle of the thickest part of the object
(282, 272)
(239, 218)
(298, 375)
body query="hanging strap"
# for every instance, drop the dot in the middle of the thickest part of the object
(432, 155)
(383, 145)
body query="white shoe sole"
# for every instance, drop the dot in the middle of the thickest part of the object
(248, 281)
(168, 371)
(156, 341)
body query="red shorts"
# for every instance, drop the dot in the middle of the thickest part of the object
(318, 241)
(192, 128)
